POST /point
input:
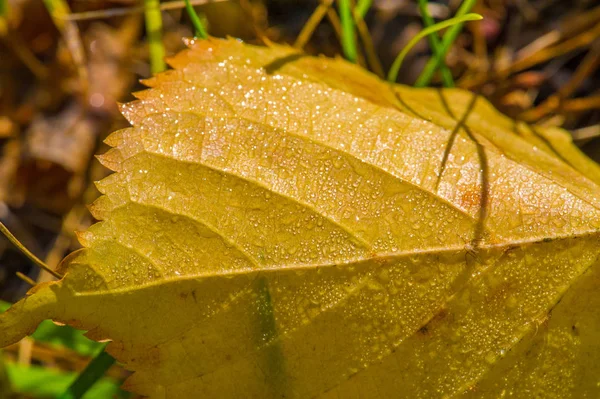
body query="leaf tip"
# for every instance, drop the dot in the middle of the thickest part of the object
(22, 318)
(111, 159)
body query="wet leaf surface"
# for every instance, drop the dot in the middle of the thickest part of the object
(287, 226)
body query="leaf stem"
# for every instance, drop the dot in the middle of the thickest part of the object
(88, 377)
(436, 45)
(198, 25)
(432, 65)
(26, 252)
(154, 33)
(348, 40)
(393, 73)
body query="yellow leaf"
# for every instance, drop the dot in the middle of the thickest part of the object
(288, 226)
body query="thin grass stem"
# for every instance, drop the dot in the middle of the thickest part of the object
(116, 12)
(311, 25)
(27, 57)
(436, 45)
(432, 65)
(59, 10)
(3, 17)
(154, 34)
(370, 52)
(88, 377)
(27, 252)
(348, 39)
(334, 20)
(198, 25)
(26, 279)
(362, 7)
(393, 72)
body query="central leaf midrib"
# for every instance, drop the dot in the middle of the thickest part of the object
(352, 262)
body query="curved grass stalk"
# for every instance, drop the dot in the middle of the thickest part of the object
(432, 65)
(393, 72)
(436, 45)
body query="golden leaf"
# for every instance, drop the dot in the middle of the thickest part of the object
(288, 226)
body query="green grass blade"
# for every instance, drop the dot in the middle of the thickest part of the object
(432, 65)
(33, 381)
(348, 40)
(88, 377)
(393, 73)
(3, 8)
(29, 379)
(198, 25)
(436, 45)
(154, 34)
(362, 7)
(3, 17)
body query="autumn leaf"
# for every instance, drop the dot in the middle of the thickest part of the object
(288, 226)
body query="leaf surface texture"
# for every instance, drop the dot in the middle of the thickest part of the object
(289, 226)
